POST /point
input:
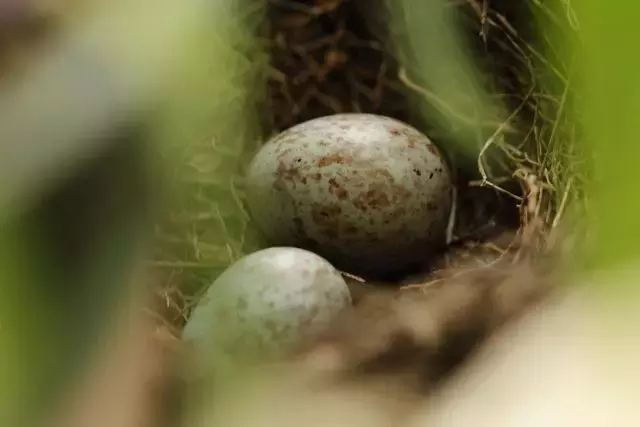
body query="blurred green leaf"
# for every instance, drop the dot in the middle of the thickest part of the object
(611, 87)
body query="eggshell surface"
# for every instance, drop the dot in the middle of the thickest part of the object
(265, 304)
(369, 193)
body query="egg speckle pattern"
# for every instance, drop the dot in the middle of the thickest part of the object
(369, 193)
(266, 303)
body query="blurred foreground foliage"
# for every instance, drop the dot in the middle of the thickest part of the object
(609, 82)
(84, 123)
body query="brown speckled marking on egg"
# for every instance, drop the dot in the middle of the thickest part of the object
(369, 193)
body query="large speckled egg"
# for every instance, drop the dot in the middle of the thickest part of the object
(369, 193)
(264, 305)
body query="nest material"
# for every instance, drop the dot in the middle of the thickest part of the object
(425, 332)
(325, 61)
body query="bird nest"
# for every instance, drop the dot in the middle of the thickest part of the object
(327, 57)
(324, 59)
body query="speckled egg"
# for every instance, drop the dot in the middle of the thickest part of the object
(265, 304)
(369, 193)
